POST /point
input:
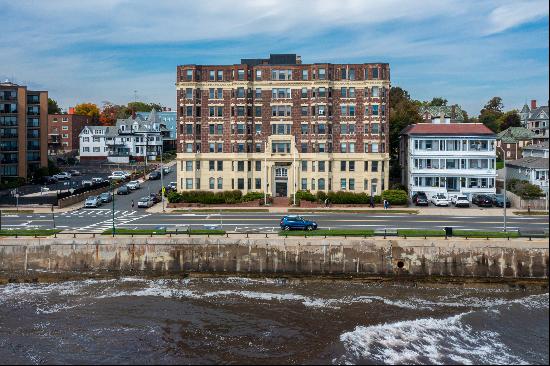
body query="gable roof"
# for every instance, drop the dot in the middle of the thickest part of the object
(105, 129)
(539, 146)
(452, 111)
(512, 135)
(458, 129)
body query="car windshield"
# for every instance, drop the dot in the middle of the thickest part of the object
(441, 197)
(462, 198)
(144, 199)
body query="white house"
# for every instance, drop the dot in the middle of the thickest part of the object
(539, 150)
(531, 169)
(130, 139)
(455, 158)
(93, 143)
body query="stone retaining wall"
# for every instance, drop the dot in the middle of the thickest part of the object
(496, 258)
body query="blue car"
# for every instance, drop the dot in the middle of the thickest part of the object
(297, 222)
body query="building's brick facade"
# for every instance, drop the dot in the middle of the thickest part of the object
(23, 130)
(315, 130)
(63, 132)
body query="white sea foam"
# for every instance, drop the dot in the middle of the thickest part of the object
(424, 341)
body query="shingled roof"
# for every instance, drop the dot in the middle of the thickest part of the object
(459, 129)
(512, 135)
(529, 162)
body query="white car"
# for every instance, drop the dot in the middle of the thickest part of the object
(96, 180)
(460, 201)
(74, 172)
(440, 200)
(145, 202)
(117, 175)
(63, 176)
(133, 184)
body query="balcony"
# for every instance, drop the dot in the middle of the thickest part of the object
(8, 161)
(8, 135)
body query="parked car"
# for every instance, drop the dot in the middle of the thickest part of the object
(47, 180)
(173, 186)
(420, 199)
(297, 222)
(74, 172)
(154, 175)
(123, 190)
(482, 200)
(498, 201)
(133, 185)
(97, 180)
(87, 183)
(106, 197)
(92, 201)
(63, 176)
(440, 199)
(155, 197)
(460, 201)
(145, 202)
(166, 170)
(117, 175)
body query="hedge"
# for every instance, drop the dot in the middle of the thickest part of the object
(395, 196)
(207, 197)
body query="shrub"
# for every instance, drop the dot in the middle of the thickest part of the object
(251, 196)
(398, 186)
(527, 190)
(341, 197)
(306, 196)
(395, 196)
(321, 196)
(205, 197)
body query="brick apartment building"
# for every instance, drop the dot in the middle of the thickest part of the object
(64, 130)
(278, 125)
(23, 130)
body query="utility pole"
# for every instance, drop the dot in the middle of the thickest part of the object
(161, 178)
(265, 168)
(113, 207)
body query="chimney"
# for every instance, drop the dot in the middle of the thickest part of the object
(71, 110)
(533, 104)
(298, 60)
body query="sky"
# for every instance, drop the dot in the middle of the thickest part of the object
(117, 50)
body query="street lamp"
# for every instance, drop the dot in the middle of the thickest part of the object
(505, 173)
(266, 177)
(113, 206)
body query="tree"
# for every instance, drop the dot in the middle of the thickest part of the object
(491, 113)
(509, 119)
(404, 112)
(53, 108)
(144, 107)
(111, 112)
(87, 109)
(438, 102)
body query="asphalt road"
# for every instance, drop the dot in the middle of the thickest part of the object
(98, 220)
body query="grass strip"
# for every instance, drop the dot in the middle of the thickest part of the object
(29, 232)
(10, 211)
(532, 213)
(459, 233)
(324, 232)
(390, 211)
(162, 232)
(208, 210)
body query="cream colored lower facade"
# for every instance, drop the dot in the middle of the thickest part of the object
(281, 174)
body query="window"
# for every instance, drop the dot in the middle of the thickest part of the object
(211, 165)
(343, 147)
(351, 92)
(220, 183)
(351, 74)
(86, 149)
(258, 183)
(352, 166)
(189, 75)
(374, 166)
(211, 75)
(322, 75)
(304, 128)
(344, 91)
(280, 93)
(343, 184)
(343, 164)
(240, 183)
(305, 75)
(374, 147)
(352, 147)
(240, 75)
(375, 73)
(220, 75)
(304, 166)
(321, 167)
(351, 184)
(197, 183)
(211, 183)
(304, 184)
(366, 185)
(375, 110)
(304, 147)
(189, 183)
(304, 93)
(189, 166)
(189, 111)
(258, 74)
(304, 111)
(321, 184)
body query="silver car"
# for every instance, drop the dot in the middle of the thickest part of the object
(92, 201)
(145, 202)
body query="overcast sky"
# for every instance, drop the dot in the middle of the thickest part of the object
(105, 50)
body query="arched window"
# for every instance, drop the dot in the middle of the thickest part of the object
(211, 183)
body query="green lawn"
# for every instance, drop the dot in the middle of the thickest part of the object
(459, 233)
(29, 232)
(162, 232)
(324, 232)
(500, 164)
(343, 210)
(534, 213)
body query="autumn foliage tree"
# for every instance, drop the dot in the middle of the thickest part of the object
(111, 112)
(87, 109)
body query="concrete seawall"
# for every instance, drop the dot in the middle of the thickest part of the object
(496, 258)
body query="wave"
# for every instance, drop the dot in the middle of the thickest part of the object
(421, 341)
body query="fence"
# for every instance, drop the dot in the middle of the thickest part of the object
(534, 204)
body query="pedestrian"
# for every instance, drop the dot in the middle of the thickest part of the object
(385, 205)
(132, 203)
(371, 201)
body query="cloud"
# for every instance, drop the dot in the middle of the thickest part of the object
(106, 49)
(516, 13)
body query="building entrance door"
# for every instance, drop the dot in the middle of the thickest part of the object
(452, 184)
(281, 189)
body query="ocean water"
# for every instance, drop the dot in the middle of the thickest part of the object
(269, 321)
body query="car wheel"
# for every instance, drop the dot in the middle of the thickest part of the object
(309, 228)
(286, 228)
